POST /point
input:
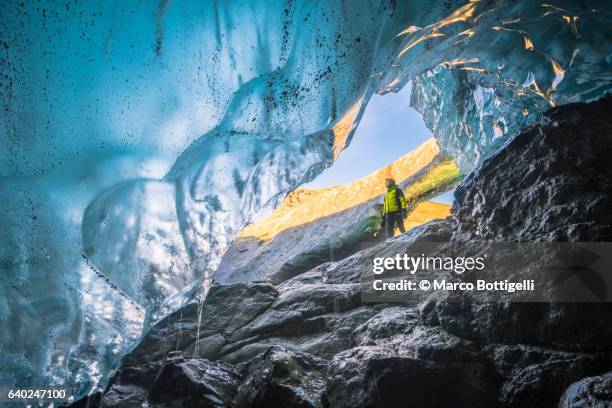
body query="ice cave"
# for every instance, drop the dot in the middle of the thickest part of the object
(139, 138)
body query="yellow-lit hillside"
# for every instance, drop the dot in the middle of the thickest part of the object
(425, 212)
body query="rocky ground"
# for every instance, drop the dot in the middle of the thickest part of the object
(311, 340)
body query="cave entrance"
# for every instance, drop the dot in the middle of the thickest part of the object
(389, 129)
(342, 207)
(339, 212)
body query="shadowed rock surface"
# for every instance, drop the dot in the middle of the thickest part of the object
(194, 382)
(311, 341)
(551, 183)
(283, 378)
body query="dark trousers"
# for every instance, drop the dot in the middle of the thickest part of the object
(391, 220)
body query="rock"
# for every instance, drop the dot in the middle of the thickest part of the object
(580, 327)
(283, 378)
(129, 395)
(540, 383)
(552, 182)
(378, 376)
(199, 329)
(397, 361)
(194, 382)
(358, 266)
(389, 324)
(181, 381)
(314, 318)
(591, 392)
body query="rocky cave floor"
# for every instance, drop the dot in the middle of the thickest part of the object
(311, 341)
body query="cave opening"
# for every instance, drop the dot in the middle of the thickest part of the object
(388, 129)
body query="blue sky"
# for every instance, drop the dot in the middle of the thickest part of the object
(389, 129)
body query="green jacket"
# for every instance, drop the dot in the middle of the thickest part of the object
(394, 200)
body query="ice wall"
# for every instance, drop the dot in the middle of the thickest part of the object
(137, 138)
(489, 68)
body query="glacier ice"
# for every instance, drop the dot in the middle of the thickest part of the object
(489, 68)
(138, 139)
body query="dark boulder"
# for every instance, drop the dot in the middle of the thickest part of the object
(552, 182)
(426, 367)
(540, 376)
(194, 382)
(283, 378)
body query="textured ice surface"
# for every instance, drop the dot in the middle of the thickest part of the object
(137, 139)
(491, 67)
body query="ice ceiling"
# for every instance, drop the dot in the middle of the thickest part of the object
(138, 138)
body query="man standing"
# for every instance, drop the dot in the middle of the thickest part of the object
(394, 210)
